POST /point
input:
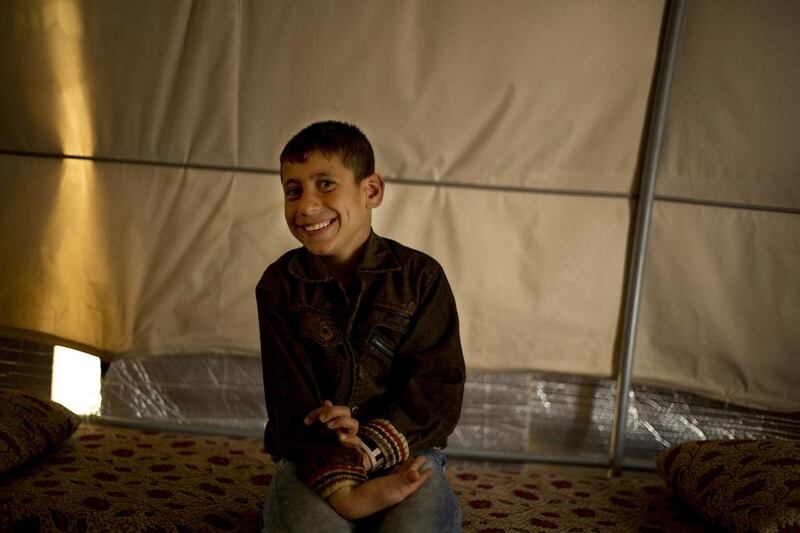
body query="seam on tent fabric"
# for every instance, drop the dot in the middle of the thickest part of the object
(730, 205)
(143, 162)
(275, 172)
(227, 210)
(169, 82)
(511, 188)
(413, 181)
(230, 194)
(238, 82)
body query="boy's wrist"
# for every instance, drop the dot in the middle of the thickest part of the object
(373, 454)
(367, 459)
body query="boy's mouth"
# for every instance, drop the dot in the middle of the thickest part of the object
(312, 228)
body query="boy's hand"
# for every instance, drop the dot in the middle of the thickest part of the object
(410, 468)
(339, 419)
(380, 493)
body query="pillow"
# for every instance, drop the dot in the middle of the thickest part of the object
(738, 485)
(29, 426)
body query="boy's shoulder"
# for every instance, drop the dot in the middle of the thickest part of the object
(278, 269)
(411, 259)
(405, 265)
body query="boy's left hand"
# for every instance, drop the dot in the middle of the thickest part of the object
(339, 419)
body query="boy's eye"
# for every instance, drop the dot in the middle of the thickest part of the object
(291, 192)
(326, 185)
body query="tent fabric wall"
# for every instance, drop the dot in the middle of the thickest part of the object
(721, 299)
(562, 319)
(138, 259)
(733, 125)
(515, 92)
(511, 132)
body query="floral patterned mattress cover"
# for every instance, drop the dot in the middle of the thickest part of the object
(108, 478)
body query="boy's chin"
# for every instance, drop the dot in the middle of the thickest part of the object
(316, 248)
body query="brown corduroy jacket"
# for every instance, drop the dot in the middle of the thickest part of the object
(387, 346)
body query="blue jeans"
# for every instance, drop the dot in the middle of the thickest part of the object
(292, 507)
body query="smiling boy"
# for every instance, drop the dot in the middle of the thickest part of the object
(362, 361)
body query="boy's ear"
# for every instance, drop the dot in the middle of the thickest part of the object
(374, 188)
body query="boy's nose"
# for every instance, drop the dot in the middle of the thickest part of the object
(309, 203)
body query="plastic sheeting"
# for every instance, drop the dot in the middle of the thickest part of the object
(202, 391)
(26, 364)
(545, 414)
(519, 416)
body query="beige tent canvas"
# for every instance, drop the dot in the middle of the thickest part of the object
(140, 198)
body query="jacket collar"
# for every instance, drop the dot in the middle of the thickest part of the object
(378, 257)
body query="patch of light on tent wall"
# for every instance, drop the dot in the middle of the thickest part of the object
(66, 38)
(76, 380)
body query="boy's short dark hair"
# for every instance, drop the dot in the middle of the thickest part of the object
(332, 137)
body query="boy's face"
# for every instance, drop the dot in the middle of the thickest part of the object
(325, 209)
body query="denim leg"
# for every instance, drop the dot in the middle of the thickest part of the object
(291, 507)
(432, 509)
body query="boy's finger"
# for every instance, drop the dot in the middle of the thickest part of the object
(313, 416)
(345, 433)
(417, 478)
(405, 465)
(426, 474)
(334, 411)
(350, 441)
(344, 423)
(326, 412)
(417, 463)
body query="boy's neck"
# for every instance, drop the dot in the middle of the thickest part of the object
(342, 271)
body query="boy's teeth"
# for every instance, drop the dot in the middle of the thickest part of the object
(315, 227)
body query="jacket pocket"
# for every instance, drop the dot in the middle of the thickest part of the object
(382, 343)
(323, 347)
(387, 327)
(319, 327)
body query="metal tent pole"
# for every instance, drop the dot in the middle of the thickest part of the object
(655, 132)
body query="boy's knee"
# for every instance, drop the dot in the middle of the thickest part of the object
(291, 506)
(435, 459)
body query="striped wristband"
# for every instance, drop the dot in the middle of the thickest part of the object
(374, 456)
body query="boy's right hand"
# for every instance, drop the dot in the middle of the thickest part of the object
(339, 419)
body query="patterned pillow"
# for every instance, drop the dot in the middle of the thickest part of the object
(29, 426)
(739, 485)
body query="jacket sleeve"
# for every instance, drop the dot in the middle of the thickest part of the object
(422, 405)
(291, 392)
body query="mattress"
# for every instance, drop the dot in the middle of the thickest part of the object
(107, 478)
